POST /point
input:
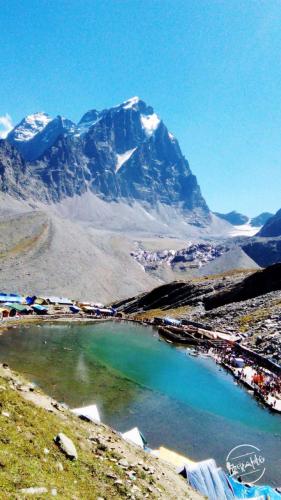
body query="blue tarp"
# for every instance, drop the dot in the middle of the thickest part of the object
(11, 297)
(214, 484)
(206, 478)
(255, 491)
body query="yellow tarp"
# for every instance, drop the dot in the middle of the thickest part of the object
(172, 457)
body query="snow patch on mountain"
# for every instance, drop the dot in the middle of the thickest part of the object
(122, 158)
(244, 230)
(131, 102)
(150, 123)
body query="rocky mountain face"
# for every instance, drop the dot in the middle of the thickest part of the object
(125, 152)
(234, 218)
(259, 283)
(179, 294)
(15, 175)
(37, 132)
(264, 251)
(12, 169)
(265, 247)
(261, 219)
(237, 219)
(272, 227)
(212, 292)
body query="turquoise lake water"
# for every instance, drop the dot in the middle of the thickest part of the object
(188, 404)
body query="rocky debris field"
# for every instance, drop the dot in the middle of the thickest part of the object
(195, 255)
(258, 320)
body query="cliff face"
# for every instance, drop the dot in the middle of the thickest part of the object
(264, 251)
(62, 169)
(15, 175)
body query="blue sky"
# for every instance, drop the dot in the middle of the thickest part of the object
(210, 68)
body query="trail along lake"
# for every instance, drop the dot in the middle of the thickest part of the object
(188, 404)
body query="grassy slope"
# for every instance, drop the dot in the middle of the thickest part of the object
(25, 435)
(29, 430)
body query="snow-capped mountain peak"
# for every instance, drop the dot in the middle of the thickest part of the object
(149, 119)
(130, 103)
(37, 132)
(123, 152)
(30, 126)
(87, 120)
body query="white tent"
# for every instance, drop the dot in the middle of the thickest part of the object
(89, 412)
(134, 436)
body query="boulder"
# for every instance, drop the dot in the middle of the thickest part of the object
(66, 446)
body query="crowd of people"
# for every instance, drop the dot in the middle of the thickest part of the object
(264, 382)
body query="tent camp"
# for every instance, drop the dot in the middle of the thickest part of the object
(88, 412)
(135, 436)
(63, 301)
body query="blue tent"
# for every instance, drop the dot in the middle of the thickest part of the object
(172, 321)
(30, 300)
(74, 309)
(39, 309)
(11, 297)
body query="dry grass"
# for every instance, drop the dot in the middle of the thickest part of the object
(245, 322)
(160, 313)
(226, 274)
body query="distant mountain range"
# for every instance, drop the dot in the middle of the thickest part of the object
(237, 219)
(122, 153)
(114, 194)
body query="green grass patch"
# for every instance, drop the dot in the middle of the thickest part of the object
(27, 432)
